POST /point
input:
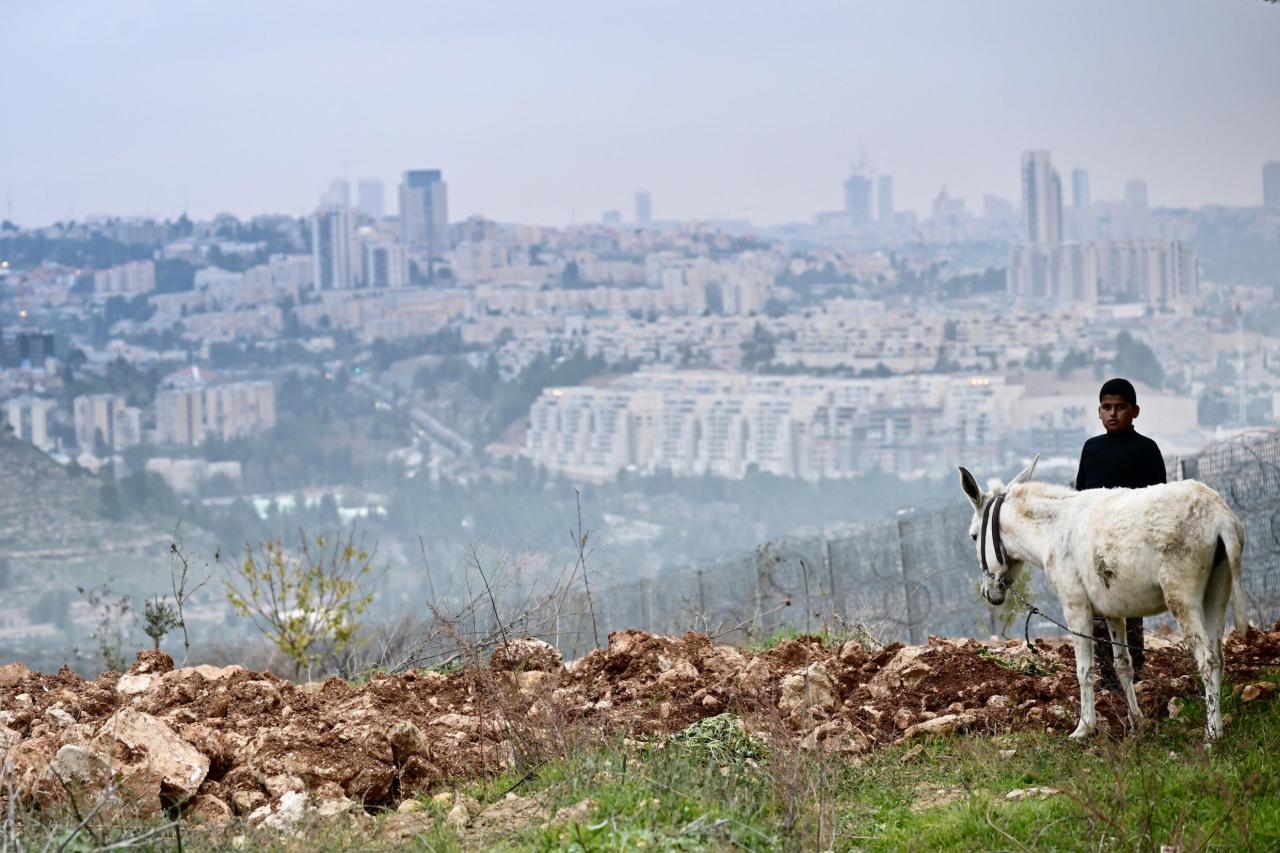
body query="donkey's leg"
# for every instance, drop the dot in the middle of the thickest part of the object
(1217, 593)
(1190, 616)
(1124, 667)
(1080, 622)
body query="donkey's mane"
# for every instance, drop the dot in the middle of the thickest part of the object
(1042, 490)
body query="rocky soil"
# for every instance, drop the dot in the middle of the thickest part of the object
(215, 742)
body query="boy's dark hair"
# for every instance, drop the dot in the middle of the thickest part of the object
(1120, 388)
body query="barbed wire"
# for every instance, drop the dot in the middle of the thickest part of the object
(915, 575)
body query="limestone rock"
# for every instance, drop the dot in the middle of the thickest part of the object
(526, 654)
(457, 818)
(1035, 792)
(288, 814)
(78, 765)
(407, 739)
(58, 716)
(8, 739)
(131, 684)
(579, 812)
(944, 724)
(145, 750)
(213, 673)
(807, 688)
(151, 661)
(531, 682)
(209, 809)
(906, 669)
(248, 801)
(283, 783)
(13, 673)
(675, 670)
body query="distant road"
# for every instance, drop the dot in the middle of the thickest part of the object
(418, 416)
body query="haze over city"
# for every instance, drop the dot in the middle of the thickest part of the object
(605, 426)
(544, 113)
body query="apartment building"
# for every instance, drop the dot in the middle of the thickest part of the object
(106, 416)
(700, 422)
(28, 417)
(1153, 272)
(128, 280)
(191, 408)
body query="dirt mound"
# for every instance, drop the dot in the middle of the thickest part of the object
(221, 741)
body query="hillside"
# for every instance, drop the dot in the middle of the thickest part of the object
(50, 512)
(249, 755)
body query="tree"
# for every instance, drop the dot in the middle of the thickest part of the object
(159, 618)
(174, 275)
(570, 276)
(1136, 360)
(759, 349)
(305, 603)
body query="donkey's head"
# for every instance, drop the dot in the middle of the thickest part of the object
(1001, 574)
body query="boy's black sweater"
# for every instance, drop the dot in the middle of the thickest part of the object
(1120, 460)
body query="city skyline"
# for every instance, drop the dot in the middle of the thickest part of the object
(156, 110)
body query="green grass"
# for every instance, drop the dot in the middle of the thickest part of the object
(1138, 793)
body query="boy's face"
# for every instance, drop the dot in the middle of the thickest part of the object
(1116, 413)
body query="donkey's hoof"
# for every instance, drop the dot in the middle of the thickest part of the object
(1082, 731)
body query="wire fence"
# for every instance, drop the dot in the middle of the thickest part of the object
(915, 575)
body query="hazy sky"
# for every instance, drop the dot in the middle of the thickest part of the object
(539, 111)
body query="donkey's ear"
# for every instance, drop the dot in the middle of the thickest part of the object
(970, 486)
(1026, 473)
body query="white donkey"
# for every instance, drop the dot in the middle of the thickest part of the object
(1118, 553)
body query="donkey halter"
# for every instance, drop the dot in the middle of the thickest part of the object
(991, 517)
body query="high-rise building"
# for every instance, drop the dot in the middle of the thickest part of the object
(385, 264)
(334, 249)
(1154, 272)
(339, 193)
(1135, 193)
(1271, 184)
(1079, 189)
(1041, 199)
(369, 198)
(25, 347)
(884, 200)
(643, 208)
(424, 211)
(857, 199)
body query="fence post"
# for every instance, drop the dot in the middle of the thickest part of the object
(831, 578)
(907, 552)
(648, 606)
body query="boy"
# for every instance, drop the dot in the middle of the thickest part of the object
(1121, 458)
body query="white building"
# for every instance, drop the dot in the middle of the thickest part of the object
(28, 417)
(1152, 272)
(693, 423)
(384, 264)
(334, 249)
(1041, 199)
(128, 280)
(192, 408)
(106, 415)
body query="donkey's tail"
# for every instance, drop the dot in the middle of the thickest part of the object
(1230, 548)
